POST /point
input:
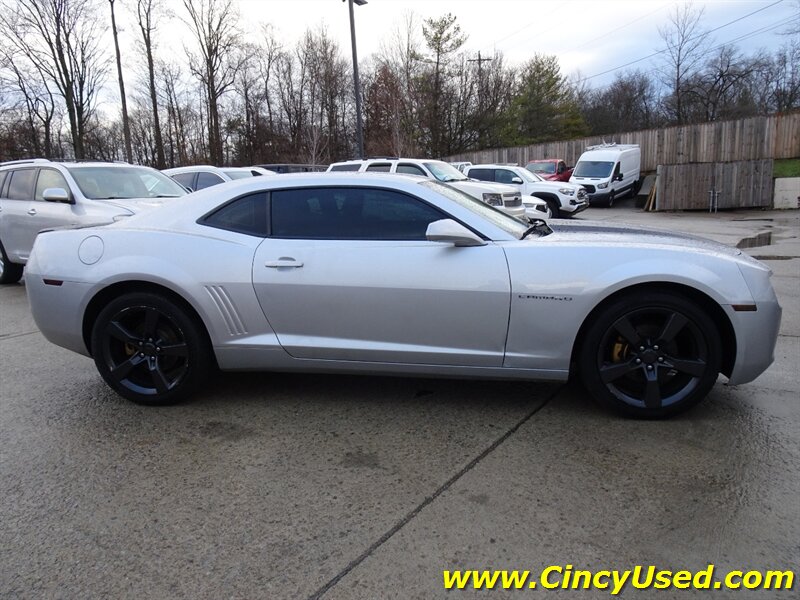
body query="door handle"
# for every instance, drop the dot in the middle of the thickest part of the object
(32, 211)
(283, 263)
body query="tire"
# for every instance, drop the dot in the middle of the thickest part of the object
(150, 350)
(611, 197)
(650, 355)
(555, 208)
(9, 272)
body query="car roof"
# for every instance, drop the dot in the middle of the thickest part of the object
(43, 162)
(495, 166)
(191, 169)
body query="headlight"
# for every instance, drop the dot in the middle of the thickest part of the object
(602, 186)
(120, 217)
(493, 199)
(566, 191)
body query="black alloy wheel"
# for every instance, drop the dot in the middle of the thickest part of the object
(651, 354)
(149, 350)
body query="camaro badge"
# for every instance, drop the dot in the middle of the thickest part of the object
(535, 297)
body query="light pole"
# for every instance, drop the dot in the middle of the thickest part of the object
(359, 122)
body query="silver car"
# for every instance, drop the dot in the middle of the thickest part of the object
(40, 194)
(389, 274)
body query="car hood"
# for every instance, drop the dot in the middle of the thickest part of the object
(603, 233)
(483, 186)
(556, 185)
(136, 205)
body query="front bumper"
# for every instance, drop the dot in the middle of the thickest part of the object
(514, 211)
(574, 209)
(599, 197)
(536, 211)
(756, 337)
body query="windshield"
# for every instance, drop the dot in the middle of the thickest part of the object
(236, 174)
(117, 183)
(444, 172)
(496, 217)
(593, 168)
(527, 175)
(542, 167)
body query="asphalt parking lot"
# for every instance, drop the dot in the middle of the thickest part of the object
(335, 487)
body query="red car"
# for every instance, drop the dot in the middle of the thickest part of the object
(552, 169)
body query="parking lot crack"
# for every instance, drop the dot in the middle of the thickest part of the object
(11, 336)
(432, 497)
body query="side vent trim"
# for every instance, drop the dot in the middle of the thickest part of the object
(227, 309)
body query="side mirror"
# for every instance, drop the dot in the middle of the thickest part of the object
(517, 180)
(447, 230)
(57, 195)
(619, 177)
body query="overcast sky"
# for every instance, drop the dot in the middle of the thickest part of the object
(589, 37)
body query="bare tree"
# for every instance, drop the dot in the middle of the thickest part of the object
(40, 107)
(685, 48)
(146, 14)
(126, 126)
(214, 24)
(62, 39)
(720, 88)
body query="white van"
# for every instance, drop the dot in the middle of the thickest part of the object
(608, 171)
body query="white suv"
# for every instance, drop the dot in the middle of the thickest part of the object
(199, 177)
(564, 199)
(39, 194)
(503, 197)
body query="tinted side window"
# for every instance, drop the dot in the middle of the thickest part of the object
(410, 170)
(503, 175)
(482, 174)
(185, 179)
(21, 185)
(247, 214)
(350, 214)
(205, 179)
(2, 181)
(352, 167)
(380, 167)
(49, 178)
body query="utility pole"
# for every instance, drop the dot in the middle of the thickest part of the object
(356, 84)
(480, 62)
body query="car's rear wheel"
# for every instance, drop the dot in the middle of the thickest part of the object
(149, 349)
(9, 272)
(650, 354)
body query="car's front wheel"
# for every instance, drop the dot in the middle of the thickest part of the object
(650, 354)
(149, 349)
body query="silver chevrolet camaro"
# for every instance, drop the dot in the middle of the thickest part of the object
(389, 274)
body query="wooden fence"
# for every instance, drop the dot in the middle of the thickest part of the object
(756, 138)
(743, 184)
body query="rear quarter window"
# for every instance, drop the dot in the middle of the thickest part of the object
(21, 185)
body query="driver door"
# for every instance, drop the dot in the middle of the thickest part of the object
(347, 274)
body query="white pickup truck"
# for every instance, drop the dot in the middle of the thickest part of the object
(564, 199)
(503, 197)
